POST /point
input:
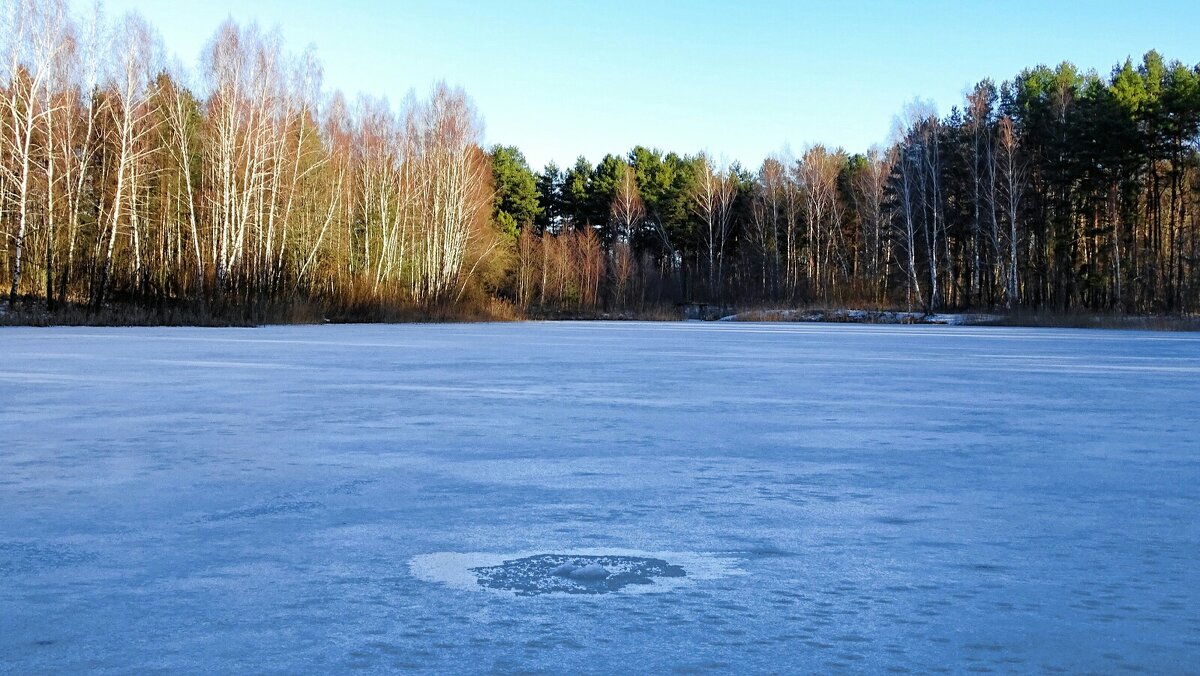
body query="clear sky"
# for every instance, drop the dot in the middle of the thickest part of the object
(738, 79)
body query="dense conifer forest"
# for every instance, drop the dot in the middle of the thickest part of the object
(242, 189)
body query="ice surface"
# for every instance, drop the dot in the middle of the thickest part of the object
(300, 499)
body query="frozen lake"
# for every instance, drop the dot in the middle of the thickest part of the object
(766, 497)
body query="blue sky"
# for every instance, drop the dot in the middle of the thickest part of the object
(738, 79)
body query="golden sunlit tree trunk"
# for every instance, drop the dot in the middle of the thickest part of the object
(133, 121)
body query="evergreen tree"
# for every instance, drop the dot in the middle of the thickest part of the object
(516, 204)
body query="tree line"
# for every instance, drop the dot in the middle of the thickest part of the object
(122, 183)
(1058, 189)
(243, 186)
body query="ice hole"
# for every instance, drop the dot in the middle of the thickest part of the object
(573, 573)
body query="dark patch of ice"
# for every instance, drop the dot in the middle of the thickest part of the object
(351, 487)
(573, 574)
(271, 509)
(31, 557)
(896, 520)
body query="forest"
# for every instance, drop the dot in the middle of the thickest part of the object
(243, 190)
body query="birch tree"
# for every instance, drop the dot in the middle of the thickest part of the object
(39, 40)
(817, 175)
(78, 141)
(132, 121)
(451, 184)
(870, 194)
(1012, 173)
(712, 196)
(626, 213)
(767, 220)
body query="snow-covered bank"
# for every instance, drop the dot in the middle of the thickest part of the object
(849, 316)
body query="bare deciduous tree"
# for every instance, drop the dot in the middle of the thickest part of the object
(1012, 172)
(132, 118)
(712, 200)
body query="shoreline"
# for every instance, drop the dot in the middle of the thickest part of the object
(32, 315)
